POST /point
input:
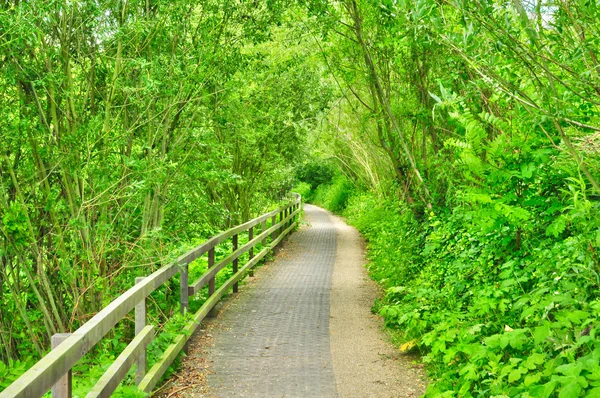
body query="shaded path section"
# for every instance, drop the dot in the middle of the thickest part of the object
(274, 341)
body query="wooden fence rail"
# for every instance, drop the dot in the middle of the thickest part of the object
(53, 371)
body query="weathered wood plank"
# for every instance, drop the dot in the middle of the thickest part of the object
(283, 235)
(184, 302)
(140, 324)
(116, 372)
(63, 387)
(41, 376)
(212, 271)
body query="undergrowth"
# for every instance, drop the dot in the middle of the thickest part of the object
(491, 316)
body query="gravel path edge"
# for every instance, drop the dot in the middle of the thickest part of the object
(365, 362)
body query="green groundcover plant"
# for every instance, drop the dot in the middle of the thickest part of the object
(489, 320)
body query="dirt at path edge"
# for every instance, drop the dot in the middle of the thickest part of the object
(365, 363)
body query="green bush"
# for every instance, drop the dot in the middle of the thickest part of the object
(315, 173)
(334, 196)
(394, 236)
(304, 190)
(490, 319)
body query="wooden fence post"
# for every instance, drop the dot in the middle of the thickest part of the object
(184, 300)
(140, 324)
(236, 261)
(286, 213)
(264, 228)
(184, 296)
(64, 386)
(281, 227)
(251, 251)
(211, 282)
(274, 233)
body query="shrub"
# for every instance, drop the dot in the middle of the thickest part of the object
(335, 196)
(304, 190)
(315, 173)
(489, 320)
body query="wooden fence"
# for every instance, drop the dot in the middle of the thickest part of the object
(53, 371)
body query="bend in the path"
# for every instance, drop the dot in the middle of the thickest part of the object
(289, 334)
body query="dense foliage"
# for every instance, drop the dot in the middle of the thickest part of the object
(461, 137)
(130, 130)
(467, 137)
(489, 320)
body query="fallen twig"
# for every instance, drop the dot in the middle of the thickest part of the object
(181, 389)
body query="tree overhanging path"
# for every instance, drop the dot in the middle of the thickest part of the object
(302, 328)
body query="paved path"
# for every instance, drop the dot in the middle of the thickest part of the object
(277, 342)
(302, 327)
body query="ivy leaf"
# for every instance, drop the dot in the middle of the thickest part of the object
(493, 341)
(543, 391)
(570, 369)
(527, 170)
(534, 360)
